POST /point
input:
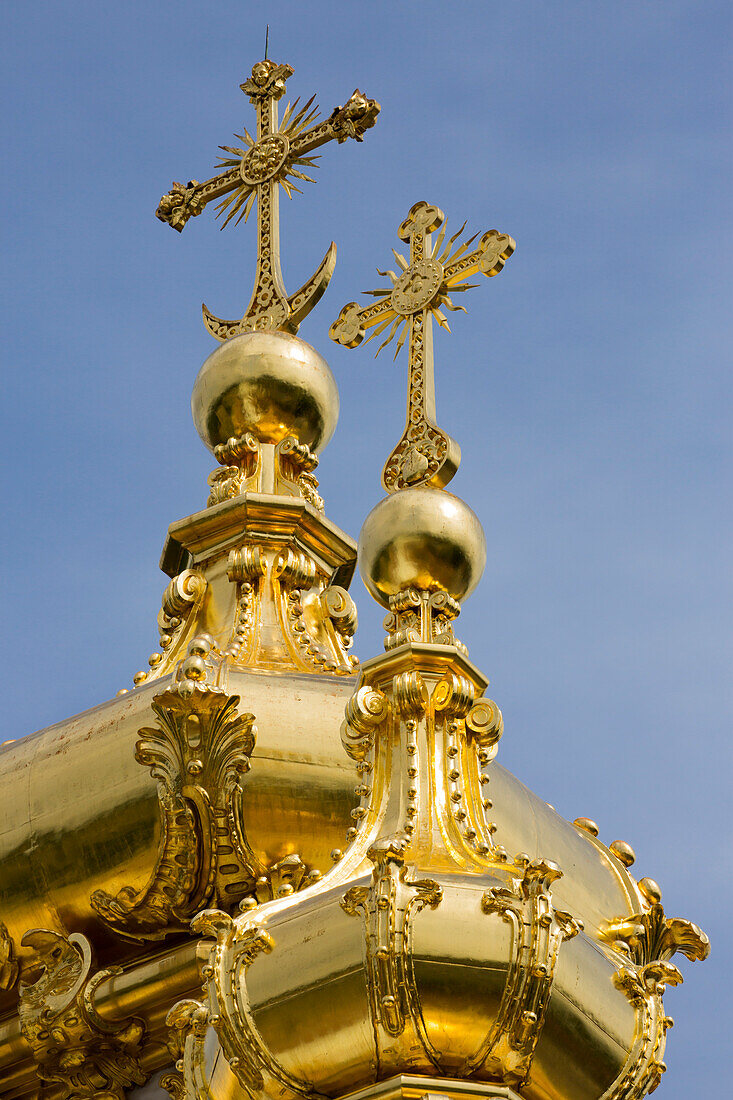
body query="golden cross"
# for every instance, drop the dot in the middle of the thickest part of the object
(254, 173)
(425, 455)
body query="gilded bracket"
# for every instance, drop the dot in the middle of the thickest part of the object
(644, 1067)
(388, 906)
(246, 568)
(464, 732)
(199, 752)
(538, 932)
(284, 469)
(227, 1011)
(317, 619)
(471, 731)
(73, 1047)
(416, 615)
(177, 619)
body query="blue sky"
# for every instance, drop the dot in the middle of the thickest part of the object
(589, 386)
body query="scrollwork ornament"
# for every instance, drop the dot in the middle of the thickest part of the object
(485, 725)
(410, 694)
(453, 696)
(187, 1020)
(296, 463)
(316, 618)
(73, 1047)
(240, 459)
(539, 929)
(418, 615)
(339, 607)
(181, 600)
(225, 483)
(366, 710)
(246, 567)
(388, 906)
(649, 940)
(644, 986)
(233, 950)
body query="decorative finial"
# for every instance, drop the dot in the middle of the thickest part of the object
(253, 173)
(425, 455)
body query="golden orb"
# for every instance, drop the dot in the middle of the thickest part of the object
(421, 538)
(269, 383)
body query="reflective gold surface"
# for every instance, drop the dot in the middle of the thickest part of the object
(428, 947)
(267, 383)
(422, 538)
(63, 837)
(387, 914)
(79, 814)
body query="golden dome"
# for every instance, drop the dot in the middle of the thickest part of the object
(269, 384)
(397, 920)
(421, 538)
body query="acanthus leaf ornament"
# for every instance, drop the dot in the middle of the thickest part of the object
(254, 173)
(199, 751)
(425, 455)
(651, 937)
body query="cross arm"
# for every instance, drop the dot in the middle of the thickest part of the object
(350, 326)
(356, 116)
(182, 203)
(493, 250)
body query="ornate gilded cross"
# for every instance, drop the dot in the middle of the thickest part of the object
(254, 173)
(425, 455)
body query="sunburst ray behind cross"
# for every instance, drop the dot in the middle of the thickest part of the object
(241, 200)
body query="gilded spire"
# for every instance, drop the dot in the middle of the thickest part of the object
(425, 455)
(254, 172)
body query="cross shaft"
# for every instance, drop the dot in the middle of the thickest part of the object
(425, 455)
(254, 174)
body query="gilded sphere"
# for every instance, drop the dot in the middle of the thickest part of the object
(421, 538)
(270, 384)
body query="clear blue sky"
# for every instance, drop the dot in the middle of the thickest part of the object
(589, 386)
